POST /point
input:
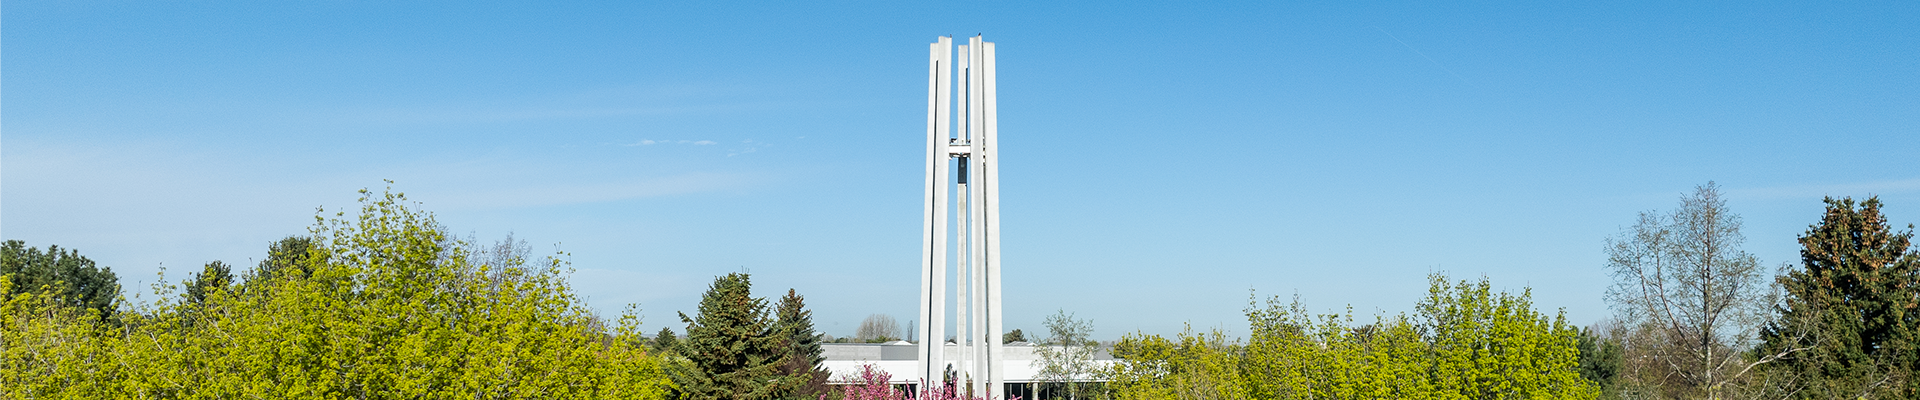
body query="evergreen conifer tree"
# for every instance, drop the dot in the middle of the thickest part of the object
(75, 280)
(214, 276)
(1600, 360)
(807, 378)
(664, 341)
(732, 351)
(1850, 323)
(287, 256)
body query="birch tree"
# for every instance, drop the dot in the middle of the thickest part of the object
(1696, 300)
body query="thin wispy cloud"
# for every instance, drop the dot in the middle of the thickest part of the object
(748, 146)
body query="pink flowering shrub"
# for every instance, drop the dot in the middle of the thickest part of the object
(872, 384)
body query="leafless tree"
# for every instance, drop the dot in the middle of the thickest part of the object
(877, 327)
(1693, 299)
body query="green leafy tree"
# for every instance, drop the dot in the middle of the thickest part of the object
(1488, 345)
(1066, 357)
(1293, 354)
(1855, 293)
(806, 376)
(1465, 342)
(731, 348)
(52, 349)
(1192, 366)
(76, 281)
(393, 309)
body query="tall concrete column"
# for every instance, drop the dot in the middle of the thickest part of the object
(974, 220)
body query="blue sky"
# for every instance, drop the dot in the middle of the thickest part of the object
(1161, 160)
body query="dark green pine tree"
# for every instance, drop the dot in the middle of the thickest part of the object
(806, 377)
(1600, 361)
(1010, 337)
(1849, 318)
(731, 350)
(214, 276)
(664, 341)
(288, 257)
(76, 281)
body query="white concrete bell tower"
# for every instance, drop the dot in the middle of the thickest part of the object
(962, 201)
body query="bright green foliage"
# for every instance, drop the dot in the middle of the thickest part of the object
(806, 378)
(74, 278)
(51, 349)
(1291, 354)
(1483, 345)
(1066, 356)
(1192, 367)
(392, 309)
(732, 349)
(1465, 342)
(1850, 325)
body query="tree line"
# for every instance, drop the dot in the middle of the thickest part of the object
(1465, 341)
(386, 304)
(1695, 317)
(383, 304)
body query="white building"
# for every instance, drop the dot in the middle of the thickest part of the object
(897, 358)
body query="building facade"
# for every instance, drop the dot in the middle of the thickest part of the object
(899, 359)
